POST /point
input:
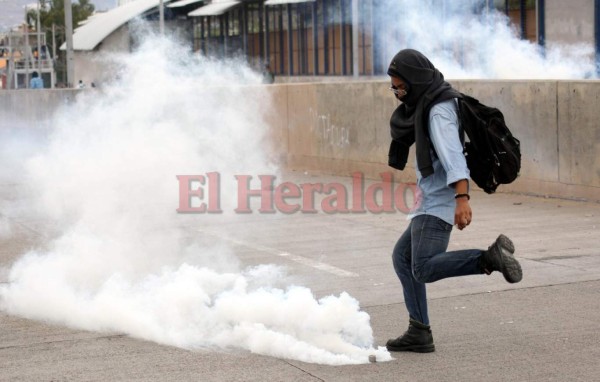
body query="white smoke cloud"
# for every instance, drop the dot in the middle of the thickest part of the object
(466, 43)
(119, 260)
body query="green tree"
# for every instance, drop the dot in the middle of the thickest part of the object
(53, 12)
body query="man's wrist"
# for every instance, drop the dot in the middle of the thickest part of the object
(462, 196)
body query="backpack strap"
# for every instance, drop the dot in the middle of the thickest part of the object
(461, 130)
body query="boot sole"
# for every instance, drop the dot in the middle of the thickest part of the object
(506, 243)
(413, 348)
(511, 269)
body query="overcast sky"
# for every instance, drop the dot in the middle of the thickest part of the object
(13, 13)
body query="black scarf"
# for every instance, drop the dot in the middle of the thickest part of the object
(410, 121)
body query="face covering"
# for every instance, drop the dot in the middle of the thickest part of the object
(400, 94)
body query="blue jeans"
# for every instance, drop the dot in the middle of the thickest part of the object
(420, 257)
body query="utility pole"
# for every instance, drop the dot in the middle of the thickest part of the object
(53, 60)
(161, 17)
(10, 63)
(27, 55)
(69, 41)
(39, 39)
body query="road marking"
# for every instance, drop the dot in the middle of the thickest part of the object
(295, 258)
(318, 265)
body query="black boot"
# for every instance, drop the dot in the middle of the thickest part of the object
(417, 338)
(499, 257)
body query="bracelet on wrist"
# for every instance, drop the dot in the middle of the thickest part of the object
(456, 196)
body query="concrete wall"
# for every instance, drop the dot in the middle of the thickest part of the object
(31, 108)
(340, 128)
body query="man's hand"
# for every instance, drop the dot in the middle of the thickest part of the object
(462, 213)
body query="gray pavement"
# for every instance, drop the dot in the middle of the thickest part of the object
(546, 328)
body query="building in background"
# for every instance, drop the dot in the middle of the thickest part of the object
(317, 37)
(23, 52)
(350, 37)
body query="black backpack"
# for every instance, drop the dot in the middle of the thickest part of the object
(493, 153)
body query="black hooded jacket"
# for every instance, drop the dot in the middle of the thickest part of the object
(410, 121)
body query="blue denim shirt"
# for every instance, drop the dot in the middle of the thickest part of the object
(449, 166)
(36, 83)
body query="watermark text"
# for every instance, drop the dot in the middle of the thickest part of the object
(199, 194)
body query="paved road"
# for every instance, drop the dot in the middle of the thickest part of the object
(546, 328)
